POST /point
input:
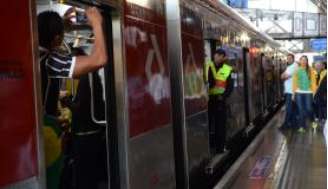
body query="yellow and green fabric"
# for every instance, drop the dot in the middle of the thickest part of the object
(70, 83)
(303, 80)
(53, 151)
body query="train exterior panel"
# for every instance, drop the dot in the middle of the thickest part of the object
(254, 73)
(151, 158)
(236, 116)
(18, 122)
(195, 92)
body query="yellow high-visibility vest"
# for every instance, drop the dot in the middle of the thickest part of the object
(220, 77)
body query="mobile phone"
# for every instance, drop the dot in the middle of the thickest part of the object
(81, 17)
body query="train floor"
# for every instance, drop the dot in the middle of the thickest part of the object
(280, 160)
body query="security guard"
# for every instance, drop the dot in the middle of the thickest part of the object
(218, 77)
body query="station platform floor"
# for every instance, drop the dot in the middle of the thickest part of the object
(280, 160)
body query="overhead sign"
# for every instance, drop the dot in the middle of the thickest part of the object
(238, 3)
(318, 44)
(319, 59)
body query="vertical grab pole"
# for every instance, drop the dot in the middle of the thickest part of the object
(178, 107)
(117, 105)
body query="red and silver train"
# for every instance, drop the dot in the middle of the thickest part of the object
(155, 126)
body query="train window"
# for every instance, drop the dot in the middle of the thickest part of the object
(74, 134)
(234, 75)
(234, 59)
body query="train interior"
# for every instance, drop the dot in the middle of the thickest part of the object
(83, 123)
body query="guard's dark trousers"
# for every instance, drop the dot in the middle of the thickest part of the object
(217, 123)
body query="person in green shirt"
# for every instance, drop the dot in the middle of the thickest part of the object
(304, 88)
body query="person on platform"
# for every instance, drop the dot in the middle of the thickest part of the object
(291, 108)
(320, 95)
(303, 89)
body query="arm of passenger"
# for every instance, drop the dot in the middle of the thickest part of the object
(286, 75)
(98, 57)
(294, 84)
(313, 80)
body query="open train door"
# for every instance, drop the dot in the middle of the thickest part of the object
(99, 157)
(21, 160)
(113, 92)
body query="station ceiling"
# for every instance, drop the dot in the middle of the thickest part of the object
(322, 5)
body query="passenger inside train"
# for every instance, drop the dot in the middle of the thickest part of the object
(74, 143)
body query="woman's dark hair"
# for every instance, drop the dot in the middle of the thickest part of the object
(50, 25)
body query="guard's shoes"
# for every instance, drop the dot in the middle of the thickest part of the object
(301, 130)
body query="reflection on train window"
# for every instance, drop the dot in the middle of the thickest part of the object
(233, 61)
(234, 75)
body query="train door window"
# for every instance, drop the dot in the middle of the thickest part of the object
(233, 59)
(234, 102)
(75, 123)
(247, 83)
(263, 92)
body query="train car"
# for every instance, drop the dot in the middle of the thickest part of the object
(149, 103)
(247, 50)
